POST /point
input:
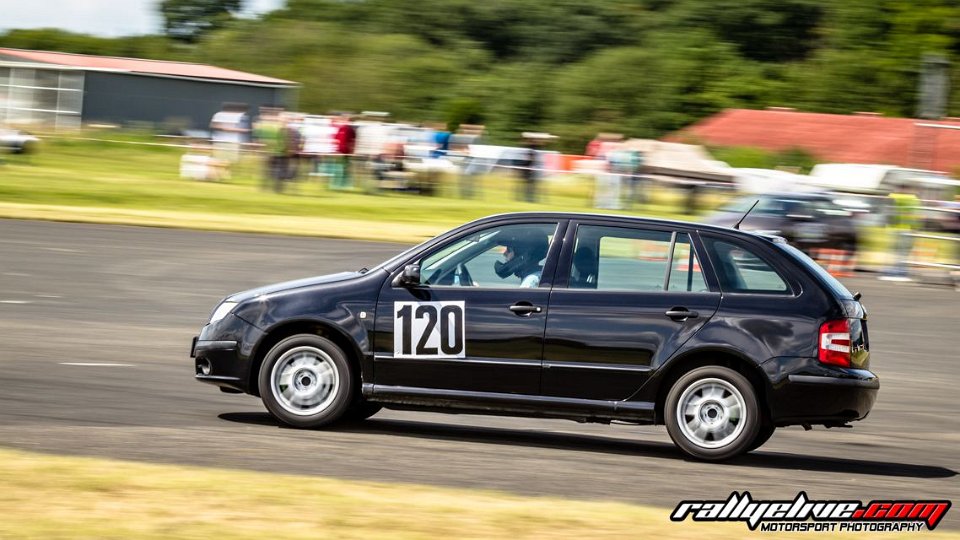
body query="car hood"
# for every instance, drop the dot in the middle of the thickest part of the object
(289, 285)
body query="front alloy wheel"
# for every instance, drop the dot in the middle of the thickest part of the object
(305, 381)
(712, 413)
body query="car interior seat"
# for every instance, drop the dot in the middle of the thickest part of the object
(585, 267)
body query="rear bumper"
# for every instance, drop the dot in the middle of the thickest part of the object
(804, 391)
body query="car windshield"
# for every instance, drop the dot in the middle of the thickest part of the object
(460, 249)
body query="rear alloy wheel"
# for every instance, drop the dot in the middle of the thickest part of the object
(306, 382)
(712, 413)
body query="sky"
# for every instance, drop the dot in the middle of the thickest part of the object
(107, 18)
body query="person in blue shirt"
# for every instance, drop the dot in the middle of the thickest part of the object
(441, 137)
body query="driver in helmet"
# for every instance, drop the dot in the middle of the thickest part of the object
(522, 256)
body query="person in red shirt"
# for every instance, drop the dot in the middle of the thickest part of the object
(346, 140)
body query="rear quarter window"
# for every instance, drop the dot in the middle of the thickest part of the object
(740, 269)
(837, 288)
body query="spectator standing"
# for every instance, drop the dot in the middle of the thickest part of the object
(229, 130)
(465, 137)
(292, 135)
(636, 186)
(441, 138)
(904, 219)
(625, 163)
(528, 173)
(345, 139)
(594, 146)
(268, 132)
(606, 192)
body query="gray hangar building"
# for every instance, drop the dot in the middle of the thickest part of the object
(69, 90)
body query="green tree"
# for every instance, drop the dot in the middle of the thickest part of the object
(189, 20)
(544, 31)
(762, 30)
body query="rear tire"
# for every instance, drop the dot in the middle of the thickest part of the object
(306, 381)
(712, 413)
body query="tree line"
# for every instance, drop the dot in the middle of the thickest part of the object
(572, 68)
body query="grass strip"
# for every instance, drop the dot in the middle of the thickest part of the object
(104, 182)
(289, 225)
(55, 497)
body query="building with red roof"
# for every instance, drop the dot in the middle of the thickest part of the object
(62, 89)
(839, 138)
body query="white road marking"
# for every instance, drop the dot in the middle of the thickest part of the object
(14, 302)
(16, 274)
(63, 250)
(48, 296)
(94, 364)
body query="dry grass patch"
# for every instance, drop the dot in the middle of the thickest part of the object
(66, 497)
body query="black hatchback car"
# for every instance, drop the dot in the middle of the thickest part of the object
(722, 335)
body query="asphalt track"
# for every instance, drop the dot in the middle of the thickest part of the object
(133, 297)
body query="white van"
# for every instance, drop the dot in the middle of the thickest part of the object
(881, 180)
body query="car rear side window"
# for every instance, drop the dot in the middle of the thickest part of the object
(623, 259)
(740, 269)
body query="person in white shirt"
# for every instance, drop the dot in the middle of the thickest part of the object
(229, 129)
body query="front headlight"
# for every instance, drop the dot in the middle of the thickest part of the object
(222, 311)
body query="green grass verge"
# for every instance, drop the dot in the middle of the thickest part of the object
(134, 184)
(53, 497)
(113, 182)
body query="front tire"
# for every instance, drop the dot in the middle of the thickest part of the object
(763, 435)
(361, 410)
(712, 413)
(306, 381)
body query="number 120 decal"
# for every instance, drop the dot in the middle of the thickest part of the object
(428, 330)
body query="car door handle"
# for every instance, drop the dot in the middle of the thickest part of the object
(525, 308)
(681, 314)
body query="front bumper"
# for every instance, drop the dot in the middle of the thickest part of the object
(804, 391)
(223, 354)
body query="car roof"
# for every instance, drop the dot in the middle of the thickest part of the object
(393, 263)
(635, 220)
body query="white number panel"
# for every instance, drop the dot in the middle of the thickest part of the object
(429, 330)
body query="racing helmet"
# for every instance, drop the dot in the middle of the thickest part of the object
(529, 247)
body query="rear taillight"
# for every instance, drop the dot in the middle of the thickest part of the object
(835, 343)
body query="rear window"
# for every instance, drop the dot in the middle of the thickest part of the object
(831, 282)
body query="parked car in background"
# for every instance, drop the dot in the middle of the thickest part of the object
(807, 220)
(880, 180)
(17, 142)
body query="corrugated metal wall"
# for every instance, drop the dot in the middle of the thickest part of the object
(121, 98)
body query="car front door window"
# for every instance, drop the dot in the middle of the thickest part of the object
(509, 256)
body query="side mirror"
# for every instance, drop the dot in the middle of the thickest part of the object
(410, 277)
